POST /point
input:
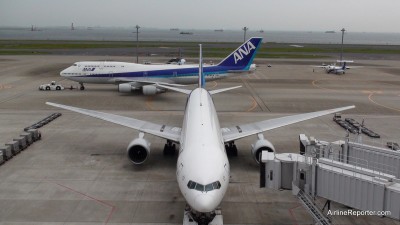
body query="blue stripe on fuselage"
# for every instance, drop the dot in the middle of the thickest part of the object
(169, 72)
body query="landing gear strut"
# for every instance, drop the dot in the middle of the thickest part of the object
(82, 87)
(191, 217)
(169, 148)
(231, 149)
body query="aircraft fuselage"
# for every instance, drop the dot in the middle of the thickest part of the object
(118, 72)
(202, 166)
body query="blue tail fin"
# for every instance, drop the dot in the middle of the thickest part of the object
(243, 56)
(344, 65)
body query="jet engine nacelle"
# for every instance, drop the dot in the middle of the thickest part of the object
(151, 90)
(126, 88)
(138, 150)
(261, 145)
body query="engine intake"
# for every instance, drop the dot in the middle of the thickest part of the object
(138, 150)
(126, 88)
(261, 145)
(151, 90)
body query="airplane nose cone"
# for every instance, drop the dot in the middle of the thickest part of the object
(205, 203)
(63, 73)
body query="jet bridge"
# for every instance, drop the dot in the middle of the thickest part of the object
(375, 158)
(360, 176)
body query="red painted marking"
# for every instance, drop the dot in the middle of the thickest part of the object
(292, 215)
(92, 198)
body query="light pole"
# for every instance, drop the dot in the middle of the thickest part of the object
(137, 43)
(244, 29)
(341, 53)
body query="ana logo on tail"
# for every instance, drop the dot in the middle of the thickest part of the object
(244, 51)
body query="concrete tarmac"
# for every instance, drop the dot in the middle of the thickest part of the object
(78, 174)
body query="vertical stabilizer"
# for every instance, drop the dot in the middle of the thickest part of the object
(202, 80)
(344, 65)
(243, 56)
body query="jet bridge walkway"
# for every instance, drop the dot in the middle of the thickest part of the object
(359, 176)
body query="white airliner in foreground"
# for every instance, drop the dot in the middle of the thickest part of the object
(202, 168)
(131, 76)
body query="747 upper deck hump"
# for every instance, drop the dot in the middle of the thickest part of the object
(132, 76)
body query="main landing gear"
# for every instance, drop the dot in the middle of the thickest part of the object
(169, 148)
(82, 87)
(231, 149)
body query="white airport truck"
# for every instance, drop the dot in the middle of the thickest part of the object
(53, 86)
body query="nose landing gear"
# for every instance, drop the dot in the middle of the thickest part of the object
(191, 217)
(82, 87)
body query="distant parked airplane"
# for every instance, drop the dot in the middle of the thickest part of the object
(132, 76)
(332, 68)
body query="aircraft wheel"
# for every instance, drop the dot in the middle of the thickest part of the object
(169, 149)
(231, 150)
(234, 150)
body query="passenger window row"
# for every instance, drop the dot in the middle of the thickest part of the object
(202, 188)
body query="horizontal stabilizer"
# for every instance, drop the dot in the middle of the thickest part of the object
(223, 90)
(184, 91)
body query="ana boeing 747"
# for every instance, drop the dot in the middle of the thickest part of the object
(131, 76)
(202, 168)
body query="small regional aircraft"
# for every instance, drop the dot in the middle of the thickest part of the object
(202, 169)
(131, 76)
(337, 69)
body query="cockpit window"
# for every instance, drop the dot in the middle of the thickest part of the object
(202, 188)
(191, 184)
(216, 185)
(74, 64)
(209, 187)
(199, 187)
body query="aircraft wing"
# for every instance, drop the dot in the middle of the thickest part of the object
(163, 131)
(241, 131)
(353, 67)
(147, 82)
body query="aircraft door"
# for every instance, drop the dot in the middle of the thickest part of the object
(181, 176)
(302, 179)
(179, 170)
(227, 170)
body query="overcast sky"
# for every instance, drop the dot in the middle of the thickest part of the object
(287, 15)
